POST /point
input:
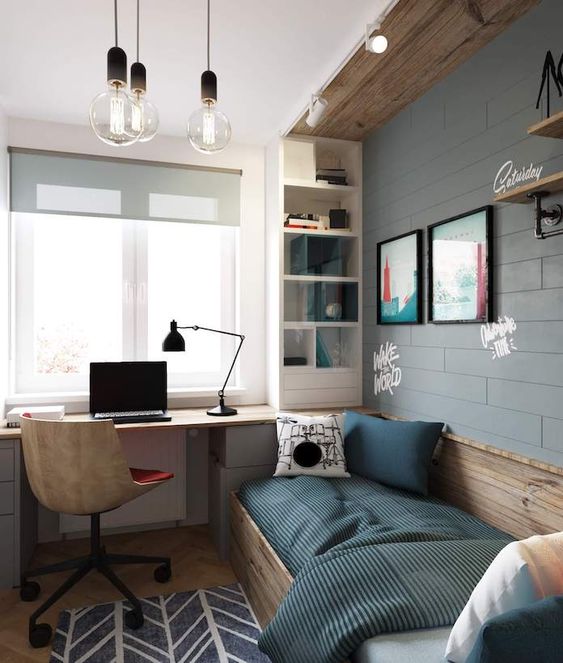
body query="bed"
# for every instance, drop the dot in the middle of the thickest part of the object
(520, 495)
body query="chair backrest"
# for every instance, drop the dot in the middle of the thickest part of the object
(76, 467)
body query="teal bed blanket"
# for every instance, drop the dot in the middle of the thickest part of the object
(366, 560)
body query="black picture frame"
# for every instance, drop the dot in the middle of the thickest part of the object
(489, 304)
(419, 280)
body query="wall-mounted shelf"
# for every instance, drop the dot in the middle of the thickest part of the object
(551, 184)
(320, 279)
(320, 233)
(320, 190)
(550, 128)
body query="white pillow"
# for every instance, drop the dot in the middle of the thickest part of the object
(310, 445)
(523, 572)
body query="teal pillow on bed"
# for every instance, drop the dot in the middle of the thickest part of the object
(396, 453)
(532, 634)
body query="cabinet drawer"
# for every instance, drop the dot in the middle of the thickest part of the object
(6, 464)
(337, 398)
(6, 497)
(244, 446)
(318, 380)
(7, 552)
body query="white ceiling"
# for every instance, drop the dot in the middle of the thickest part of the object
(268, 55)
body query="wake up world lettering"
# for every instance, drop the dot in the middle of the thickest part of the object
(508, 176)
(387, 375)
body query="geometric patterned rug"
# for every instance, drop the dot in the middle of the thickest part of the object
(213, 625)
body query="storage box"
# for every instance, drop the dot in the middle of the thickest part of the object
(299, 160)
(52, 412)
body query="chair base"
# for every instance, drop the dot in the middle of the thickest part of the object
(99, 560)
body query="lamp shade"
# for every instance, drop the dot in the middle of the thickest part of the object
(174, 342)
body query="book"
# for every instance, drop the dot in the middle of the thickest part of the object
(331, 177)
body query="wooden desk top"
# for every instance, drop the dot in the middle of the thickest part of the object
(198, 418)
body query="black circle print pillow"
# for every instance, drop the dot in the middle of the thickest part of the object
(310, 445)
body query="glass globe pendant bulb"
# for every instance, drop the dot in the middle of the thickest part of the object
(145, 118)
(209, 130)
(112, 116)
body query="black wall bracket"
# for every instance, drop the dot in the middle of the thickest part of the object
(551, 216)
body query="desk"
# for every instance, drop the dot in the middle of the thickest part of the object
(241, 447)
(181, 418)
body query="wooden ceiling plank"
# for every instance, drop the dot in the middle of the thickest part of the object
(428, 40)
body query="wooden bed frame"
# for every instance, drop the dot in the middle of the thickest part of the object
(519, 495)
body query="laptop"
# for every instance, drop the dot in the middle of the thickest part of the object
(129, 391)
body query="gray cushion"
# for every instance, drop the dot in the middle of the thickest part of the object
(425, 645)
(396, 453)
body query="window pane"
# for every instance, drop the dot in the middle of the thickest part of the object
(69, 298)
(191, 279)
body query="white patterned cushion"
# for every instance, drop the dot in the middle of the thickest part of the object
(310, 445)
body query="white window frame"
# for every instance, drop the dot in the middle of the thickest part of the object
(29, 387)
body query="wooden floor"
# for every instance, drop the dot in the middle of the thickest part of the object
(194, 563)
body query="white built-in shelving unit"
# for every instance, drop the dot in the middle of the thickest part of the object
(311, 271)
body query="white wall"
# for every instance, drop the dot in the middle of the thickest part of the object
(250, 159)
(4, 262)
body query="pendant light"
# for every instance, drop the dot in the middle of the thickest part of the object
(112, 112)
(209, 130)
(145, 115)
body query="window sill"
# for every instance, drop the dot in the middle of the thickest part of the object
(78, 401)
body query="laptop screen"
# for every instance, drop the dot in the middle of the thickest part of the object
(128, 386)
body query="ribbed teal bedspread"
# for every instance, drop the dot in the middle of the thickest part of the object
(366, 560)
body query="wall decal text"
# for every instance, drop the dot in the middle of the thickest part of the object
(509, 176)
(498, 337)
(387, 375)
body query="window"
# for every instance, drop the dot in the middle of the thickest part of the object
(105, 289)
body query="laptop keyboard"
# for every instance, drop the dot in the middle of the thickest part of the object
(122, 415)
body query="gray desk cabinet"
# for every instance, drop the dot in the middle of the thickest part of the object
(18, 510)
(237, 454)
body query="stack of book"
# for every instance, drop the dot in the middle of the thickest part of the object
(307, 221)
(332, 175)
(303, 221)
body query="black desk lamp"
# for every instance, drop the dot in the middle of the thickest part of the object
(174, 342)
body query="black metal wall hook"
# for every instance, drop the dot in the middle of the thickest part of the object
(551, 216)
(550, 72)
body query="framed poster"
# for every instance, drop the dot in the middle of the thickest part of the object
(399, 280)
(460, 284)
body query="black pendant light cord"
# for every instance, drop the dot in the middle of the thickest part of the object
(115, 19)
(137, 30)
(208, 30)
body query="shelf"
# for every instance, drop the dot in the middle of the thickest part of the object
(324, 233)
(320, 190)
(550, 128)
(315, 369)
(551, 184)
(306, 278)
(309, 324)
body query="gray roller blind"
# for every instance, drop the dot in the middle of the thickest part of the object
(59, 183)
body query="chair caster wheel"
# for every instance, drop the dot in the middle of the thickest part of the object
(163, 573)
(40, 635)
(29, 591)
(134, 620)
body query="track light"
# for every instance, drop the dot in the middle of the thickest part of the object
(375, 43)
(317, 108)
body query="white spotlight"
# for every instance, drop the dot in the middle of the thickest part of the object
(378, 43)
(317, 108)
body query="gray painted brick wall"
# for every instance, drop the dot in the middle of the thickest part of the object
(438, 158)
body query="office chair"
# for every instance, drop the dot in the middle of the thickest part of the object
(79, 468)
